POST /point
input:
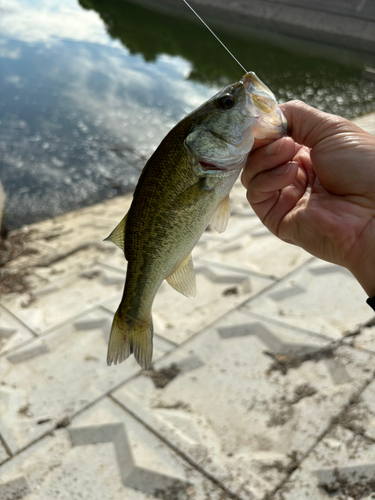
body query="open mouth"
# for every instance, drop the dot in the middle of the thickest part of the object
(210, 166)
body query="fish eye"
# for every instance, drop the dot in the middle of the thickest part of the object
(227, 101)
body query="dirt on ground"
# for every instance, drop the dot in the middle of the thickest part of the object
(20, 256)
(342, 487)
(284, 362)
(13, 246)
(163, 376)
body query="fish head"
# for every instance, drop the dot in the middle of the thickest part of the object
(262, 104)
(224, 127)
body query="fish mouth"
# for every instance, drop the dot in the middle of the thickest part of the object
(223, 164)
(260, 94)
(210, 166)
(262, 103)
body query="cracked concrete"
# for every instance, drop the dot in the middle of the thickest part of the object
(262, 387)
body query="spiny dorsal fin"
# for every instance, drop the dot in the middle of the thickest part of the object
(118, 234)
(183, 278)
(221, 216)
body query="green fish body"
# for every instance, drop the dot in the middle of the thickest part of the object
(183, 187)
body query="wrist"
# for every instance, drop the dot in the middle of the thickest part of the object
(366, 278)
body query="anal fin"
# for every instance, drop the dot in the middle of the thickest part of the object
(183, 278)
(221, 216)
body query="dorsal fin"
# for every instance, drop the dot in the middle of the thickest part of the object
(221, 216)
(118, 234)
(183, 278)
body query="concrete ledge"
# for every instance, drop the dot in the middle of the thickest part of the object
(340, 29)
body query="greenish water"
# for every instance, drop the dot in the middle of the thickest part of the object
(89, 89)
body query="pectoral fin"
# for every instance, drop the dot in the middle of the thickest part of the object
(118, 234)
(221, 216)
(191, 195)
(183, 278)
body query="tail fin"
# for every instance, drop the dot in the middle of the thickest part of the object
(126, 339)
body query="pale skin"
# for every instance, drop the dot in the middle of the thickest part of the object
(316, 189)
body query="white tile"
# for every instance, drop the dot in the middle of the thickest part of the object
(341, 466)
(3, 453)
(104, 454)
(257, 250)
(116, 261)
(55, 376)
(144, 462)
(75, 263)
(320, 297)
(81, 227)
(63, 299)
(231, 408)
(12, 331)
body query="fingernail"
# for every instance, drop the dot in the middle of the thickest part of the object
(284, 169)
(274, 148)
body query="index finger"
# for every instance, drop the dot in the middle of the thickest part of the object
(260, 143)
(264, 158)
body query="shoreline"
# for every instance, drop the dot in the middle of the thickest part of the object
(367, 122)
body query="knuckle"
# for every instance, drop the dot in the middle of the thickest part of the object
(297, 104)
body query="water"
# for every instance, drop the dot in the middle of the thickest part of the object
(89, 89)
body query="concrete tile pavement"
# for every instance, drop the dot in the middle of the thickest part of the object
(261, 387)
(248, 418)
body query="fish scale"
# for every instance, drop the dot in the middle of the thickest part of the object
(183, 187)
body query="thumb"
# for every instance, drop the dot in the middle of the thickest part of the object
(342, 154)
(308, 126)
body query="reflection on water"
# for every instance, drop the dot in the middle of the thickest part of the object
(88, 91)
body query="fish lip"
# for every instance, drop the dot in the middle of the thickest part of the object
(255, 89)
(253, 84)
(215, 166)
(209, 167)
(248, 78)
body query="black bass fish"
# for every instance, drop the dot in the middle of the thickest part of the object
(183, 187)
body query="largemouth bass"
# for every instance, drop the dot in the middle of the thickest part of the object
(183, 187)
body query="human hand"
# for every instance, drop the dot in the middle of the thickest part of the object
(316, 189)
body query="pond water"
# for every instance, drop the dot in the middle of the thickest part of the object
(88, 89)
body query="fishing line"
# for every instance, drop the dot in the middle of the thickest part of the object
(217, 38)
